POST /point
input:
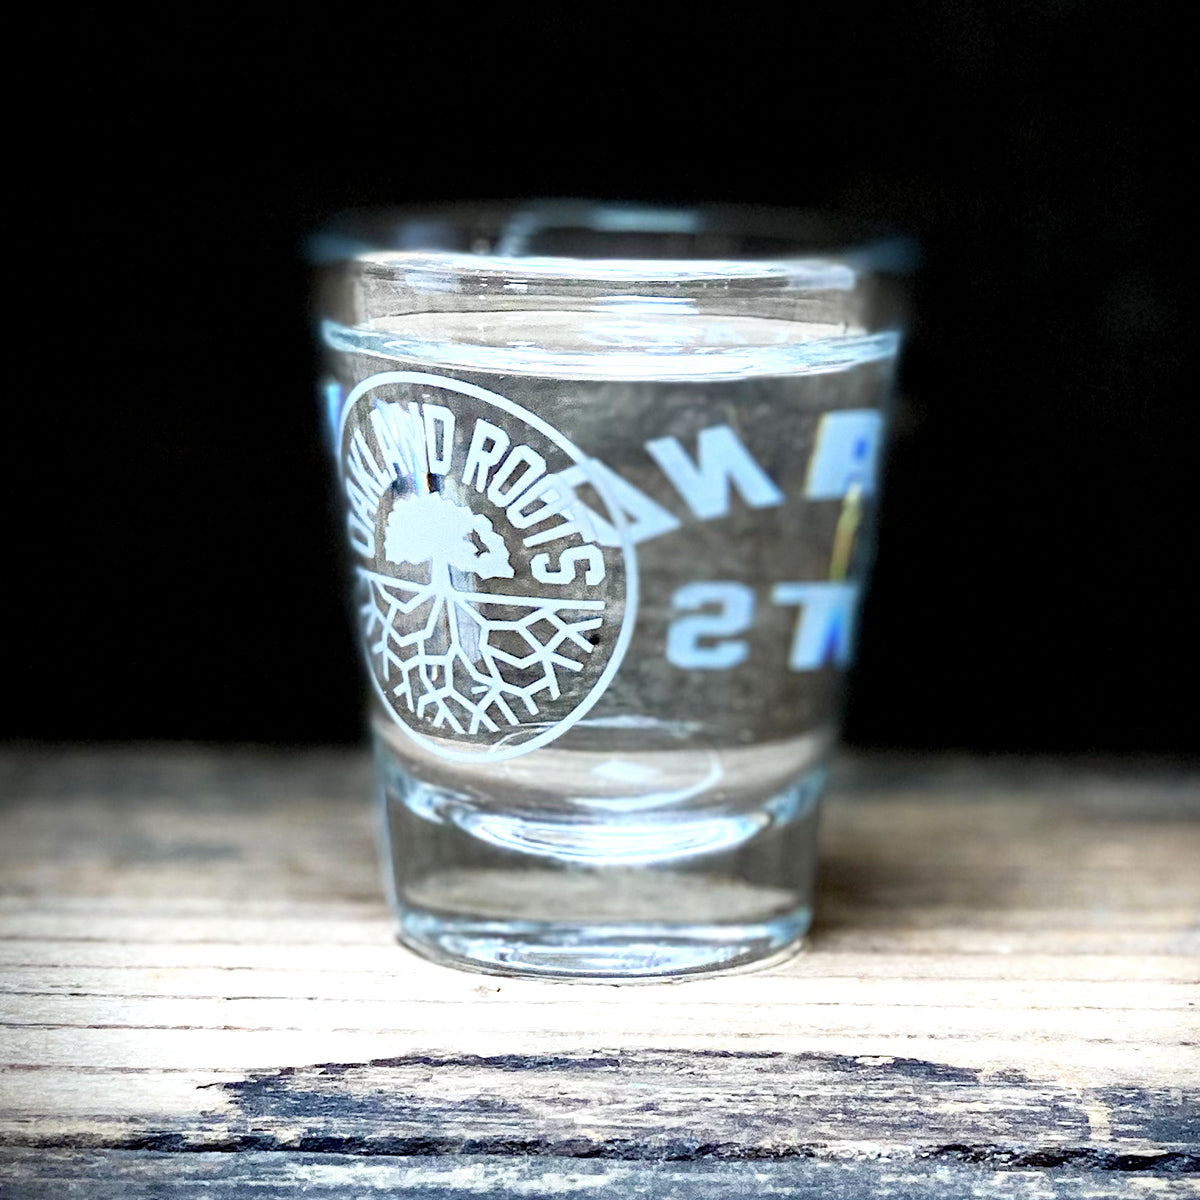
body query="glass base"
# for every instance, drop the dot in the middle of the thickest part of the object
(518, 870)
(632, 952)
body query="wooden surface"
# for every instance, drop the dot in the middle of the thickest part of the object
(999, 999)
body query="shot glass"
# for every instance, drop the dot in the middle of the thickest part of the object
(608, 477)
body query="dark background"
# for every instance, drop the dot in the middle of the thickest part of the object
(1031, 591)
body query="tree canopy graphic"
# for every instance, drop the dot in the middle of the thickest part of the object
(456, 658)
(433, 529)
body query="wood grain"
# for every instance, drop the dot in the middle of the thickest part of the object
(999, 996)
(116, 1175)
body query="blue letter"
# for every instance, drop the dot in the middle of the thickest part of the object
(825, 627)
(845, 454)
(736, 615)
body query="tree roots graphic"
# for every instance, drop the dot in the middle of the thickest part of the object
(432, 649)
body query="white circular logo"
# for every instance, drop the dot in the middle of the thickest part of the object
(495, 582)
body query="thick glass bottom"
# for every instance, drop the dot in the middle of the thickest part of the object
(630, 952)
(529, 875)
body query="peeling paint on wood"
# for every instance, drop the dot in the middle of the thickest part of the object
(116, 1175)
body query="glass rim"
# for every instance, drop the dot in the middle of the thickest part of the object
(760, 244)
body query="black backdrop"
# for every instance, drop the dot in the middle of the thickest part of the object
(1031, 588)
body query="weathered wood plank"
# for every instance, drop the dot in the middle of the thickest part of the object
(639, 1104)
(1087, 1003)
(98, 1018)
(952, 938)
(186, 1034)
(352, 948)
(194, 955)
(116, 1175)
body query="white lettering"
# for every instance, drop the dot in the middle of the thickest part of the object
(553, 499)
(364, 470)
(401, 440)
(488, 446)
(735, 615)
(521, 456)
(365, 485)
(360, 520)
(437, 416)
(721, 459)
(566, 570)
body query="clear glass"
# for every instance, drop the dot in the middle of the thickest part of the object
(608, 477)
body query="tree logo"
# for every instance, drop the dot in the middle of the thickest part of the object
(492, 615)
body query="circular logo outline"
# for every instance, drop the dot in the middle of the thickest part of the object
(499, 752)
